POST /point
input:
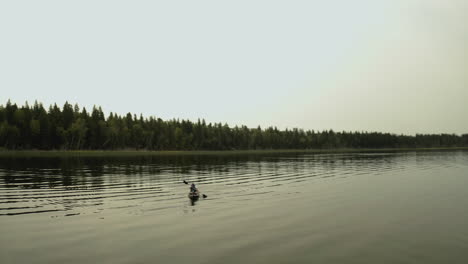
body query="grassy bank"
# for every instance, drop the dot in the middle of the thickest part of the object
(130, 153)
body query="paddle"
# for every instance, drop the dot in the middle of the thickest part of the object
(203, 195)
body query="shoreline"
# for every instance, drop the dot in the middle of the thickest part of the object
(130, 153)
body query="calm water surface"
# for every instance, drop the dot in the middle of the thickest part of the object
(407, 207)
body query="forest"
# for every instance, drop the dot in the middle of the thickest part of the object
(73, 128)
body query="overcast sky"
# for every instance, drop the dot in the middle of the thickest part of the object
(397, 66)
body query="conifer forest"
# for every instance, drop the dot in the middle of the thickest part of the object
(70, 127)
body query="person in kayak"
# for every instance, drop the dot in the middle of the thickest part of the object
(193, 188)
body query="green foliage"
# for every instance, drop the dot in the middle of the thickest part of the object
(28, 127)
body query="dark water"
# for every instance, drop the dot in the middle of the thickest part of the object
(407, 207)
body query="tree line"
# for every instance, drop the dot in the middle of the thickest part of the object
(73, 128)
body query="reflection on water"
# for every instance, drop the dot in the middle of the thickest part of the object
(330, 208)
(70, 185)
(38, 185)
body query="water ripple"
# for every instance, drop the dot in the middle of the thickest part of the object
(45, 186)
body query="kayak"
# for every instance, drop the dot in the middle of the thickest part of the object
(194, 195)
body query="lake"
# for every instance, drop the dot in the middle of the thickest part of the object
(403, 207)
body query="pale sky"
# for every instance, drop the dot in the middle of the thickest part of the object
(397, 66)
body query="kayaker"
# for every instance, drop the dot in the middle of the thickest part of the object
(193, 188)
